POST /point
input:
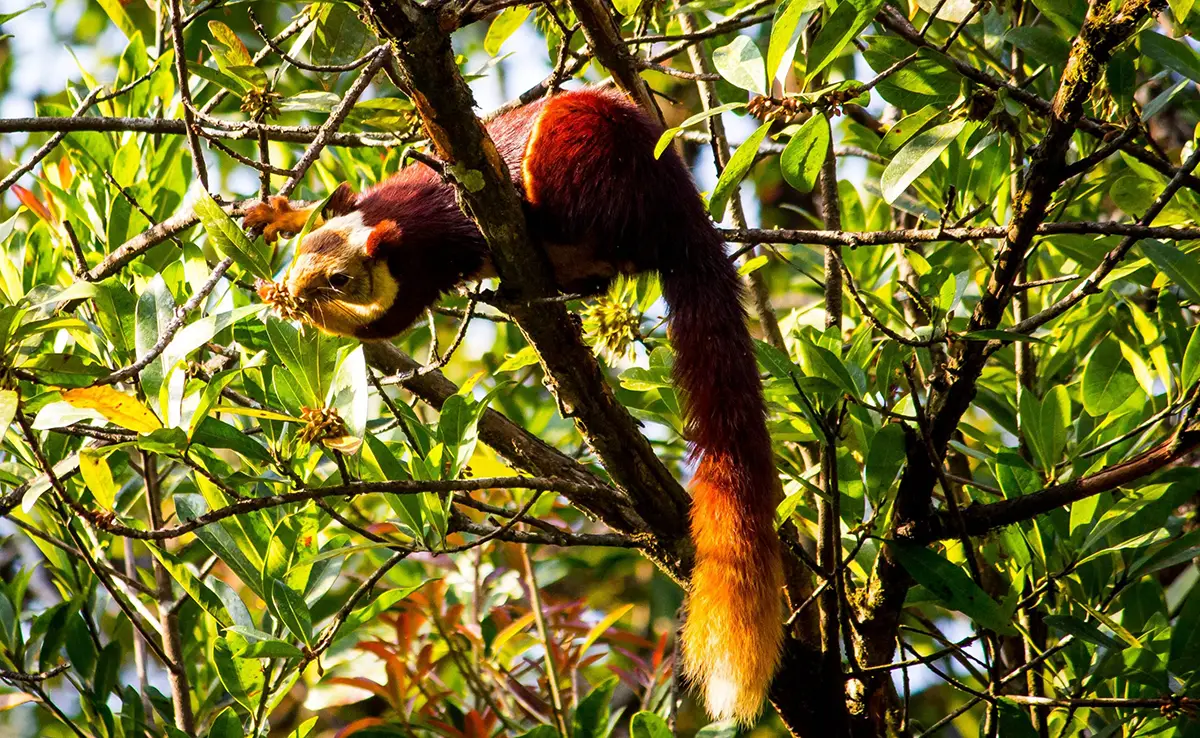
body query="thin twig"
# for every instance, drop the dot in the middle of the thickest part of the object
(185, 93)
(378, 58)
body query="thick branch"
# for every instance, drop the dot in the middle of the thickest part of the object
(604, 37)
(980, 519)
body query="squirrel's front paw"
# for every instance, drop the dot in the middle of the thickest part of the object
(275, 216)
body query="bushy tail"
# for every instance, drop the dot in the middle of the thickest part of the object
(734, 627)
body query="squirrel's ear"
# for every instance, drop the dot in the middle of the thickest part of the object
(384, 233)
(342, 201)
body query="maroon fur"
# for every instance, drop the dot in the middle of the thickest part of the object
(592, 184)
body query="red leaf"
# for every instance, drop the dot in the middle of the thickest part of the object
(35, 206)
(358, 725)
(65, 175)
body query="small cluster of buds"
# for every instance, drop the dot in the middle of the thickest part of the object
(614, 325)
(321, 423)
(261, 103)
(835, 99)
(277, 296)
(768, 108)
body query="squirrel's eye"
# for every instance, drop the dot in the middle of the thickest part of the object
(338, 280)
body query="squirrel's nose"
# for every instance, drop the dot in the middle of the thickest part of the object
(299, 287)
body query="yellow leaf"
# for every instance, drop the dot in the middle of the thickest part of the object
(513, 628)
(253, 412)
(15, 699)
(116, 406)
(600, 627)
(348, 445)
(98, 477)
(485, 463)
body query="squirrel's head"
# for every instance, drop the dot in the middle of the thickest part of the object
(340, 277)
(379, 260)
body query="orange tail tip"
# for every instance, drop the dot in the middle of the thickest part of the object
(734, 627)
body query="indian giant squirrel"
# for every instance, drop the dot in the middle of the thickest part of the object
(600, 203)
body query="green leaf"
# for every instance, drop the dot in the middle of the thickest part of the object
(724, 729)
(819, 361)
(884, 459)
(505, 23)
(235, 51)
(735, 171)
(218, 78)
(591, 717)
(115, 10)
(292, 610)
(1056, 420)
(850, 17)
(242, 678)
(785, 34)
(251, 75)
(1185, 639)
(1083, 630)
(741, 64)
(1108, 380)
(196, 334)
(1043, 44)
(226, 725)
(237, 611)
(805, 154)
(1182, 269)
(218, 539)
(1189, 373)
(126, 163)
(108, 668)
(647, 724)
(1014, 721)
(995, 334)
(260, 645)
(6, 17)
(753, 265)
(523, 358)
(197, 590)
(907, 127)
(926, 81)
(917, 155)
(1121, 77)
(380, 604)
(1045, 424)
(155, 309)
(228, 237)
(1123, 510)
(1179, 8)
(952, 586)
(669, 135)
(1174, 55)
(115, 314)
(304, 730)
